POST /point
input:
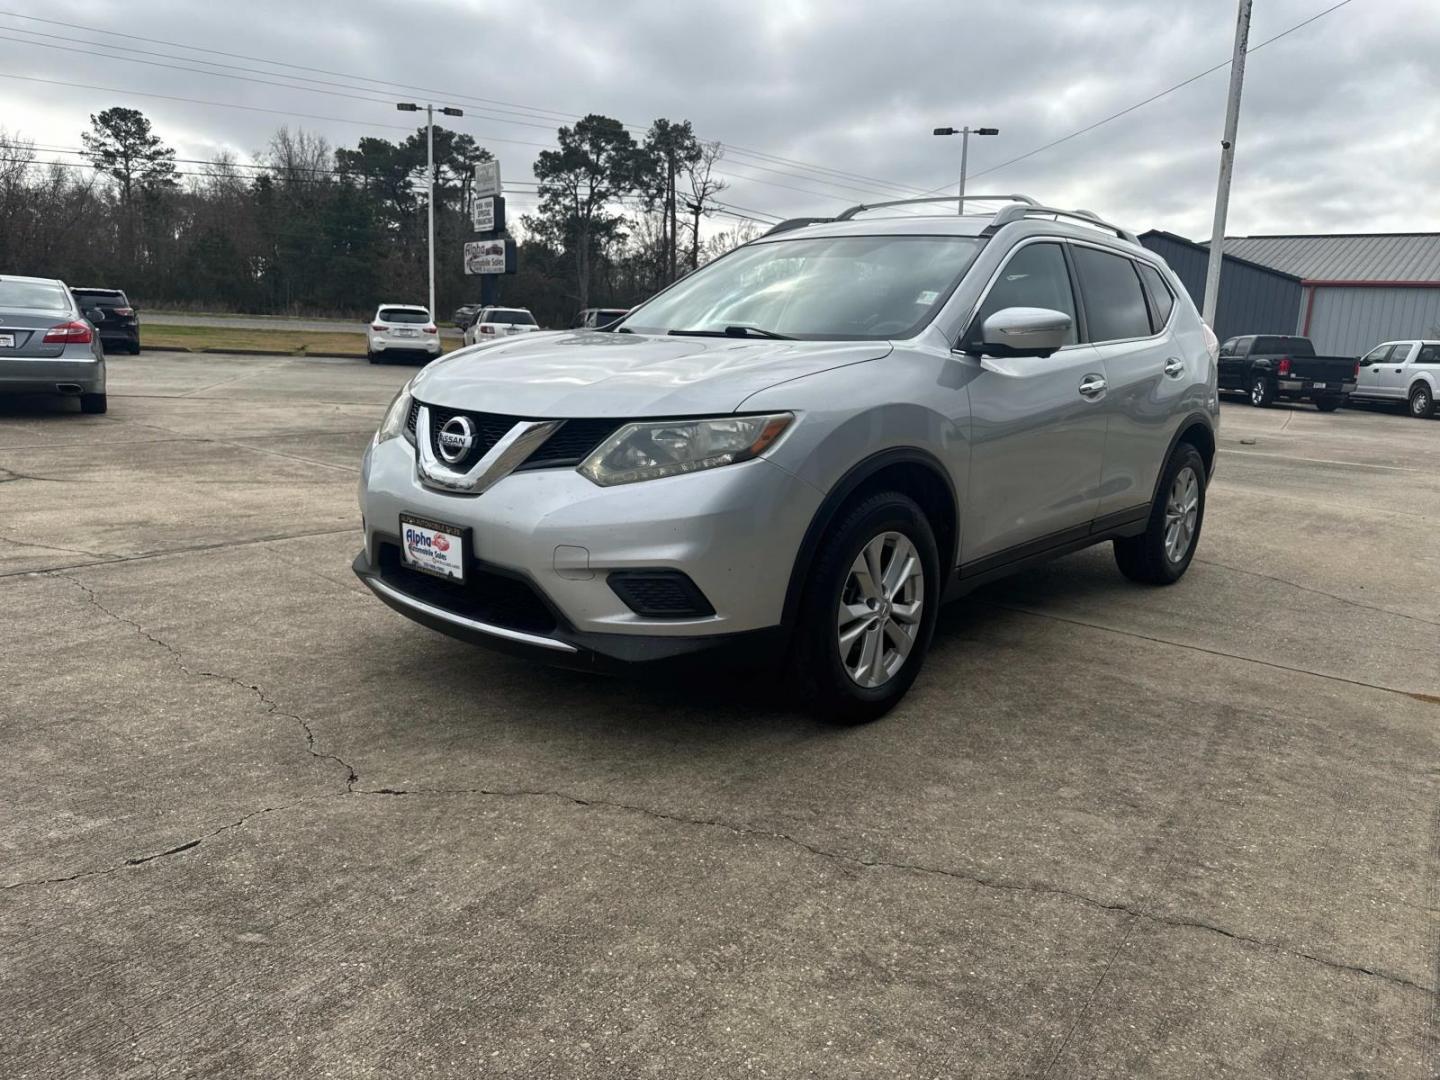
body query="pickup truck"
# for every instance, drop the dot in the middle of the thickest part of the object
(1272, 368)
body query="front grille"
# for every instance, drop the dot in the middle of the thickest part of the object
(660, 594)
(486, 596)
(570, 445)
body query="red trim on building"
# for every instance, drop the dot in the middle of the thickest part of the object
(1344, 284)
(1309, 311)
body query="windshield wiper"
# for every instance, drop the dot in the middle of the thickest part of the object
(733, 331)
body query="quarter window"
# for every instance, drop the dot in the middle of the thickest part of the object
(1035, 276)
(1114, 303)
(1162, 300)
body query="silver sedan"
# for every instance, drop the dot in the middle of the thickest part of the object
(46, 344)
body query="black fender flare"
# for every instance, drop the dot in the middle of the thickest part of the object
(1201, 419)
(836, 498)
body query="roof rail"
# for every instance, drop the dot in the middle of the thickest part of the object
(794, 223)
(1019, 213)
(860, 208)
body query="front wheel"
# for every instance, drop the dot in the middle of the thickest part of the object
(1262, 392)
(1327, 404)
(1162, 553)
(1422, 402)
(869, 609)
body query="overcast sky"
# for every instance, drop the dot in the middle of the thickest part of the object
(1340, 129)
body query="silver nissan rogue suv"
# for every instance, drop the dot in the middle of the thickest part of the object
(803, 448)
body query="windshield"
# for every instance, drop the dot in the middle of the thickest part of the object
(403, 315)
(33, 295)
(513, 318)
(851, 288)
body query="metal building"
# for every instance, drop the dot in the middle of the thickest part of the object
(1254, 299)
(1359, 289)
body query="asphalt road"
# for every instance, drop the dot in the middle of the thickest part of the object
(255, 824)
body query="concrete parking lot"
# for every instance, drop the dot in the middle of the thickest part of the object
(256, 824)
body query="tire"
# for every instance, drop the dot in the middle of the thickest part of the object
(1327, 404)
(135, 348)
(373, 357)
(1148, 558)
(92, 403)
(1422, 402)
(1262, 392)
(887, 525)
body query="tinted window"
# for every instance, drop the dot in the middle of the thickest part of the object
(1162, 300)
(100, 297)
(34, 295)
(1229, 346)
(1283, 346)
(1035, 276)
(403, 315)
(1114, 304)
(512, 318)
(1429, 354)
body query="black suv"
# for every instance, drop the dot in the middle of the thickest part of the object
(112, 314)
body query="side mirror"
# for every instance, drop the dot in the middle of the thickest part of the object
(1023, 331)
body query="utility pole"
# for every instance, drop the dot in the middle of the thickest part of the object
(695, 208)
(965, 134)
(1227, 162)
(410, 106)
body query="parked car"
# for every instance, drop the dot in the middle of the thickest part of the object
(598, 318)
(46, 344)
(464, 315)
(493, 322)
(913, 406)
(1273, 368)
(404, 330)
(112, 314)
(1401, 371)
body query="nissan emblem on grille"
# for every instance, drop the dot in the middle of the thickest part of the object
(455, 438)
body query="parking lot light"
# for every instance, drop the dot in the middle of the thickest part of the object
(965, 134)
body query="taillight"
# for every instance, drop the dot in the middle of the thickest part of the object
(431, 330)
(69, 333)
(377, 326)
(1284, 368)
(487, 329)
(1356, 373)
(125, 311)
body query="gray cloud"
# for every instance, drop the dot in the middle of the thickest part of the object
(1339, 129)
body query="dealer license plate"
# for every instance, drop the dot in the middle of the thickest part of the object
(1322, 386)
(433, 547)
(405, 333)
(7, 341)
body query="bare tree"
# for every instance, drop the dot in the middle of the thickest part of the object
(704, 185)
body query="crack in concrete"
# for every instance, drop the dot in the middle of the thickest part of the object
(154, 856)
(1032, 888)
(1317, 592)
(271, 705)
(57, 547)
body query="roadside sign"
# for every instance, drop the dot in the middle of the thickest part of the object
(487, 179)
(488, 214)
(490, 257)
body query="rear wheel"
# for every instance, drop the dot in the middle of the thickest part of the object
(1327, 404)
(1162, 553)
(869, 610)
(1262, 392)
(92, 403)
(135, 347)
(1422, 402)
(372, 356)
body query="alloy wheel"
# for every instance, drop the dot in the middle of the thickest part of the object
(1182, 508)
(1257, 393)
(1420, 402)
(880, 609)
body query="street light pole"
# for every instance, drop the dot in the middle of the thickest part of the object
(410, 106)
(1227, 163)
(965, 134)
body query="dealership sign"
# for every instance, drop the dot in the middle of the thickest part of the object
(490, 257)
(488, 214)
(487, 179)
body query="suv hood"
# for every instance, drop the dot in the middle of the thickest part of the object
(588, 373)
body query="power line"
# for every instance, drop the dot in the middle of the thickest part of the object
(507, 106)
(1141, 104)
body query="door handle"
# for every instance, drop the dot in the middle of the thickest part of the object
(1174, 367)
(1092, 387)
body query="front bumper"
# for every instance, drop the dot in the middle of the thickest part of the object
(734, 531)
(51, 376)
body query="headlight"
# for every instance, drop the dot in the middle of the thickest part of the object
(396, 416)
(650, 450)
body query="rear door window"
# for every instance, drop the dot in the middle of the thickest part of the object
(1162, 300)
(1429, 354)
(1036, 276)
(1114, 300)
